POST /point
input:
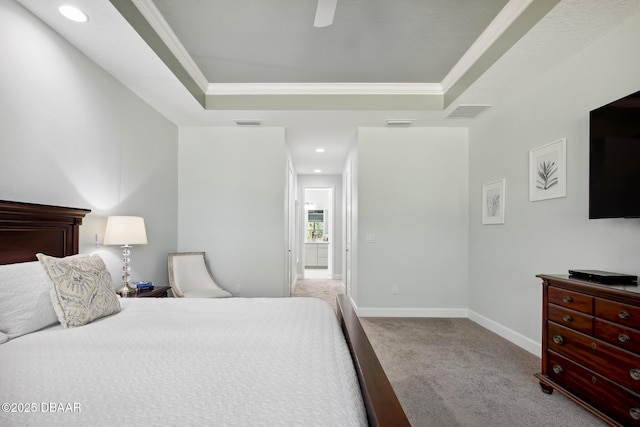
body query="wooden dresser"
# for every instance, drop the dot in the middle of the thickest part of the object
(591, 346)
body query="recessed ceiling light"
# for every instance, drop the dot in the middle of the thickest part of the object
(319, 150)
(73, 13)
(317, 170)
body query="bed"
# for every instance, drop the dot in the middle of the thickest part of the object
(171, 361)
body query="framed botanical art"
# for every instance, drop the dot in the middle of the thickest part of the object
(548, 171)
(493, 202)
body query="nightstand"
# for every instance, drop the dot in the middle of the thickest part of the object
(156, 292)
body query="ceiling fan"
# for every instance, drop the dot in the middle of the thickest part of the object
(324, 13)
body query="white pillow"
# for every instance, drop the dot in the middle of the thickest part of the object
(82, 288)
(25, 305)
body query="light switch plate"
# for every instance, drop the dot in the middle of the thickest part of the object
(371, 238)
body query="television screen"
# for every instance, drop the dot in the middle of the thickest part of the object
(614, 159)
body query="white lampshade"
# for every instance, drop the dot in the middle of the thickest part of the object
(125, 230)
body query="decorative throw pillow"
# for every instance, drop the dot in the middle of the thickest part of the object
(25, 305)
(82, 288)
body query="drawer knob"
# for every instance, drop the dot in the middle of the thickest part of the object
(624, 338)
(635, 374)
(624, 315)
(557, 369)
(558, 339)
(567, 299)
(635, 413)
(567, 318)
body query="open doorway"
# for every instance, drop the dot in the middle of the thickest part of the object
(319, 194)
(318, 233)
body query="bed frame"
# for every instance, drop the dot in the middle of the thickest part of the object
(380, 401)
(27, 228)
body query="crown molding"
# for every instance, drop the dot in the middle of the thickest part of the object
(492, 43)
(496, 28)
(151, 13)
(514, 21)
(164, 31)
(324, 89)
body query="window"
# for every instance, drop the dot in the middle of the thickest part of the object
(315, 230)
(315, 224)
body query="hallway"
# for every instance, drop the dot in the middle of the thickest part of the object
(317, 273)
(325, 289)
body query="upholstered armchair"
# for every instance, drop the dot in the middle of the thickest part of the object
(189, 277)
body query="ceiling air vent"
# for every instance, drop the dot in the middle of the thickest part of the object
(248, 122)
(467, 111)
(400, 122)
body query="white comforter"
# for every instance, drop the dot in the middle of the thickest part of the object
(170, 361)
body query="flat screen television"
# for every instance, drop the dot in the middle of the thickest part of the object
(614, 159)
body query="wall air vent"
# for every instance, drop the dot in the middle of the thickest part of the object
(467, 111)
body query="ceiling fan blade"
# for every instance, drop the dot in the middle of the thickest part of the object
(324, 13)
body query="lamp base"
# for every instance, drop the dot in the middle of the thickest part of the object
(126, 290)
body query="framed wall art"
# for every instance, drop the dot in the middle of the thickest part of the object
(493, 202)
(548, 171)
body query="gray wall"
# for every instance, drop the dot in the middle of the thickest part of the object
(412, 194)
(232, 197)
(549, 236)
(71, 135)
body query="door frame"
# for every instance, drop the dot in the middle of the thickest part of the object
(332, 226)
(347, 221)
(291, 236)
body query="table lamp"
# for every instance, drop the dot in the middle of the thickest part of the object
(125, 231)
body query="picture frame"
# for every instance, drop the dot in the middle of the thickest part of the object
(493, 202)
(548, 171)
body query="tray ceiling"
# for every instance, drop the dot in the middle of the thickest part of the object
(436, 62)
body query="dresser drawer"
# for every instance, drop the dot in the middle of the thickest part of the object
(620, 404)
(623, 314)
(573, 300)
(619, 365)
(615, 334)
(571, 318)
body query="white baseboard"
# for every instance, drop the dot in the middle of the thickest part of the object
(516, 338)
(412, 312)
(337, 277)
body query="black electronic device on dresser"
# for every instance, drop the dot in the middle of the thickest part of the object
(591, 346)
(604, 276)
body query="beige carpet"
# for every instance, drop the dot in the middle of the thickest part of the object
(454, 373)
(325, 289)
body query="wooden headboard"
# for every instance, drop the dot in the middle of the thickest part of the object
(28, 228)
